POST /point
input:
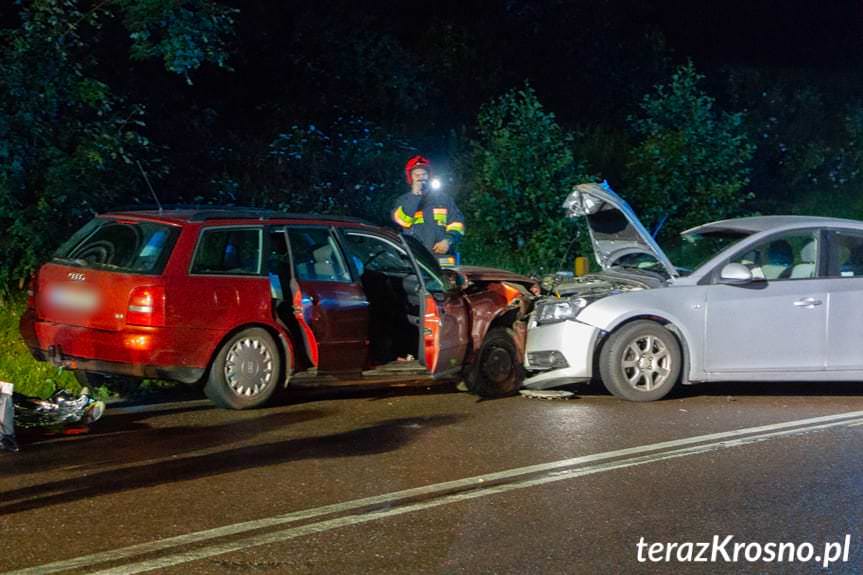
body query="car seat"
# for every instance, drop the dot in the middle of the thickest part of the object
(327, 266)
(853, 266)
(780, 256)
(806, 267)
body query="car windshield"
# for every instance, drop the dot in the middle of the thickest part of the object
(687, 252)
(119, 245)
(691, 251)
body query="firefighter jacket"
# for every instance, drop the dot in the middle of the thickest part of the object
(429, 218)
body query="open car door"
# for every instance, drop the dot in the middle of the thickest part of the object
(443, 315)
(291, 304)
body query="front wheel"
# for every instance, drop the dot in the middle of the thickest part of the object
(640, 362)
(498, 369)
(245, 372)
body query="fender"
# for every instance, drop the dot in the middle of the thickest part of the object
(282, 338)
(672, 323)
(498, 301)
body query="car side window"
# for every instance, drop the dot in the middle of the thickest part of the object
(369, 253)
(845, 254)
(786, 257)
(228, 251)
(316, 255)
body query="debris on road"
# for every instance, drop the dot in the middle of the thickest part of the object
(60, 410)
(546, 393)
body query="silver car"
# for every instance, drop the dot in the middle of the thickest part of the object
(756, 299)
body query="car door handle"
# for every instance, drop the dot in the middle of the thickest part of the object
(807, 302)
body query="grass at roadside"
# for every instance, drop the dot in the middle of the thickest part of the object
(31, 377)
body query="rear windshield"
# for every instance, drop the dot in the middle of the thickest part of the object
(120, 245)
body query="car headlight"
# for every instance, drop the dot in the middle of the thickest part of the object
(561, 310)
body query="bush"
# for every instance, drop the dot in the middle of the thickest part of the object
(691, 165)
(31, 377)
(69, 146)
(351, 167)
(519, 169)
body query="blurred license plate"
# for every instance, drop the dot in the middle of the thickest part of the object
(73, 298)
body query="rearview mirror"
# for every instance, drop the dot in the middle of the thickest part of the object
(736, 274)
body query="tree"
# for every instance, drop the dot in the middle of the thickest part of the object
(349, 167)
(809, 131)
(69, 146)
(520, 168)
(691, 163)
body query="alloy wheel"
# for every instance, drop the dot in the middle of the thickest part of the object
(646, 363)
(249, 367)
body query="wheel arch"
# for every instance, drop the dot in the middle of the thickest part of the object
(284, 346)
(503, 318)
(671, 325)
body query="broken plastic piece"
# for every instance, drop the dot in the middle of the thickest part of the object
(546, 393)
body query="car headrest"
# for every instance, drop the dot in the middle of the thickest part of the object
(779, 253)
(809, 253)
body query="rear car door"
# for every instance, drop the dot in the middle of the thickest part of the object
(333, 303)
(776, 324)
(844, 284)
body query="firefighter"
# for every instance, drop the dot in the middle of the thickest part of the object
(429, 215)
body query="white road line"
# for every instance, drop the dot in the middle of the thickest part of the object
(394, 497)
(373, 515)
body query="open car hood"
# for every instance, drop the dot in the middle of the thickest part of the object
(615, 230)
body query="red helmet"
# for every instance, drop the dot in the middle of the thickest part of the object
(414, 163)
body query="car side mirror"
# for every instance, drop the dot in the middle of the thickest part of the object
(736, 274)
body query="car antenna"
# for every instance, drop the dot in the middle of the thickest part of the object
(146, 179)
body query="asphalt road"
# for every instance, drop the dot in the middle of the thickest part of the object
(435, 481)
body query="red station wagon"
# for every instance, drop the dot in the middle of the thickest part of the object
(247, 300)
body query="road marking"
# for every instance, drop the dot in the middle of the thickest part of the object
(672, 449)
(376, 514)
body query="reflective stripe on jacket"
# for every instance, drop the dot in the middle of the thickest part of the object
(430, 218)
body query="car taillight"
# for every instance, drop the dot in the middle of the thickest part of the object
(146, 306)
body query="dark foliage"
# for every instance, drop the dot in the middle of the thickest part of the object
(316, 105)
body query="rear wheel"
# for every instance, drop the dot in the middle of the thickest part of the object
(245, 372)
(498, 370)
(640, 362)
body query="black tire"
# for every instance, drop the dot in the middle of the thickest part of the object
(498, 370)
(632, 371)
(245, 372)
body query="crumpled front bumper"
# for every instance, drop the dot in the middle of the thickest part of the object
(574, 343)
